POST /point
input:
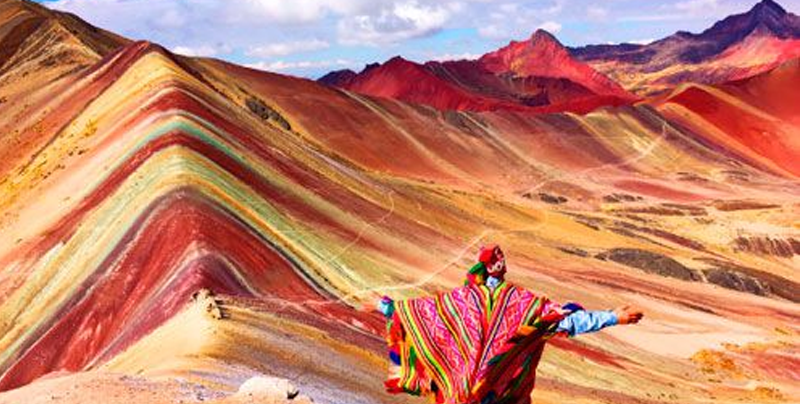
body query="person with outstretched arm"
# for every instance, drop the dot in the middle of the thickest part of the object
(481, 343)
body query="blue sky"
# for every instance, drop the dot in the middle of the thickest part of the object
(310, 37)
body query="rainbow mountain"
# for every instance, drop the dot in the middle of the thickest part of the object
(173, 227)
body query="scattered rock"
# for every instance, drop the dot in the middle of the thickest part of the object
(593, 223)
(728, 206)
(674, 238)
(736, 281)
(736, 175)
(649, 261)
(691, 177)
(619, 197)
(630, 234)
(745, 279)
(267, 113)
(574, 251)
(667, 209)
(212, 306)
(552, 199)
(765, 245)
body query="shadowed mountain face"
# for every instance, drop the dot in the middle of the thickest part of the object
(131, 179)
(738, 46)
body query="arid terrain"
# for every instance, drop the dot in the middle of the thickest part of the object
(174, 227)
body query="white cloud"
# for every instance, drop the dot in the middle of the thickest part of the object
(550, 26)
(281, 65)
(634, 41)
(555, 8)
(517, 20)
(403, 20)
(126, 14)
(685, 10)
(297, 11)
(697, 6)
(509, 8)
(651, 17)
(455, 56)
(202, 50)
(494, 31)
(641, 41)
(286, 48)
(249, 23)
(596, 13)
(267, 30)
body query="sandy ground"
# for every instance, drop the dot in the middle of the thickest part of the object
(115, 388)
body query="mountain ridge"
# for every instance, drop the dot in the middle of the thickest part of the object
(641, 69)
(645, 69)
(169, 218)
(512, 78)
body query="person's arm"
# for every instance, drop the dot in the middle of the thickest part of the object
(584, 322)
(386, 307)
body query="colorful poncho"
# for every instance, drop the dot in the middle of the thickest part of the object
(472, 345)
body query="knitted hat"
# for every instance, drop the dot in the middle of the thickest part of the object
(491, 262)
(488, 255)
(494, 259)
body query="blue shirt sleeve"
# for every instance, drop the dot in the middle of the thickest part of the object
(582, 322)
(386, 307)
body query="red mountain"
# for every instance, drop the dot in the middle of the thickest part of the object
(408, 81)
(535, 75)
(756, 118)
(543, 56)
(176, 228)
(532, 91)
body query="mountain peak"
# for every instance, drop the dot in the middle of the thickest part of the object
(768, 7)
(541, 43)
(19, 5)
(543, 35)
(767, 14)
(338, 78)
(23, 19)
(544, 56)
(397, 60)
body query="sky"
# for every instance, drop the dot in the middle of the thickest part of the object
(308, 38)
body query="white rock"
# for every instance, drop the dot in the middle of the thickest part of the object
(268, 386)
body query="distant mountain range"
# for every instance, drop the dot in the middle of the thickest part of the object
(737, 47)
(134, 182)
(540, 74)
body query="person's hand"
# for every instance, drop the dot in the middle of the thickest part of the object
(628, 314)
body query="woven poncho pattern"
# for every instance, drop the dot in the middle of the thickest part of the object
(471, 345)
